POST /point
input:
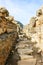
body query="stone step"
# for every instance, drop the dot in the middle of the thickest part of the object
(25, 51)
(27, 62)
(25, 57)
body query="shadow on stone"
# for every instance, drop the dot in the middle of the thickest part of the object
(13, 57)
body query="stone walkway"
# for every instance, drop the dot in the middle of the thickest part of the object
(18, 57)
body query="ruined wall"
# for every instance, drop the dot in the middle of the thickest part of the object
(8, 34)
(35, 28)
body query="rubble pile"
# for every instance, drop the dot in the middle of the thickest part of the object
(8, 34)
(34, 30)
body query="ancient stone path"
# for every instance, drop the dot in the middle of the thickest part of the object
(18, 55)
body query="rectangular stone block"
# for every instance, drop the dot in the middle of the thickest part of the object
(27, 62)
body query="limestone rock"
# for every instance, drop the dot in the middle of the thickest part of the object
(4, 12)
(25, 51)
(39, 12)
(33, 22)
(26, 57)
(9, 18)
(6, 43)
(8, 35)
(27, 62)
(26, 30)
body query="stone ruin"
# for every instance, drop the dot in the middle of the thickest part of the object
(34, 31)
(39, 29)
(8, 34)
(29, 48)
(35, 28)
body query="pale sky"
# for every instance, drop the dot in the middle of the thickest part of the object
(22, 10)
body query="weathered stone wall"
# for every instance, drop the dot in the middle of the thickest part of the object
(39, 29)
(35, 28)
(8, 34)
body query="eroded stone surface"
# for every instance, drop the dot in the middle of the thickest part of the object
(8, 35)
